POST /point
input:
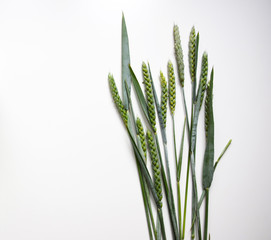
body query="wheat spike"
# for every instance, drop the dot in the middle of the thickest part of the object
(171, 87)
(192, 54)
(141, 136)
(178, 54)
(155, 166)
(149, 96)
(117, 99)
(164, 97)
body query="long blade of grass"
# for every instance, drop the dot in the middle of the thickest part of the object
(223, 152)
(208, 162)
(203, 194)
(125, 62)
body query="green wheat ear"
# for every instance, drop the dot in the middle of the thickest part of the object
(203, 75)
(192, 54)
(149, 96)
(164, 96)
(141, 137)
(178, 53)
(171, 87)
(117, 99)
(155, 166)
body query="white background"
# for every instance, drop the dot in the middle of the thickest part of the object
(66, 165)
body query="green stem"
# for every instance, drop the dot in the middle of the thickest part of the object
(160, 215)
(158, 228)
(146, 206)
(186, 195)
(193, 215)
(150, 208)
(186, 114)
(148, 197)
(188, 163)
(169, 197)
(193, 136)
(179, 170)
(187, 172)
(170, 186)
(194, 182)
(179, 209)
(150, 211)
(202, 197)
(192, 144)
(195, 201)
(174, 139)
(206, 214)
(178, 183)
(191, 163)
(190, 151)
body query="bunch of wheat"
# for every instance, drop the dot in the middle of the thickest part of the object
(146, 143)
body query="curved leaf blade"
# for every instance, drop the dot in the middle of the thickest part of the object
(208, 162)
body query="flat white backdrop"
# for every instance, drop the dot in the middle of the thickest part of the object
(66, 165)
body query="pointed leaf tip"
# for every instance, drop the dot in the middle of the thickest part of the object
(125, 62)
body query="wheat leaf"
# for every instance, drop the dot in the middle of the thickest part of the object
(125, 62)
(208, 162)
